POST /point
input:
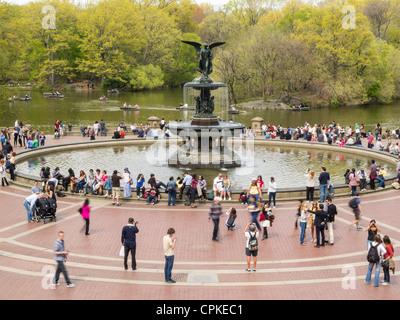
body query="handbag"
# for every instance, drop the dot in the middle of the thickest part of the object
(122, 251)
(385, 264)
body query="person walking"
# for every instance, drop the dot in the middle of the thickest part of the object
(376, 252)
(386, 260)
(85, 213)
(320, 223)
(214, 215)
(355, 204)
(324, 184)
(60, 256)
(128, 240)
(332, 212)
(251, 233)
(169, 246)
(265, 222)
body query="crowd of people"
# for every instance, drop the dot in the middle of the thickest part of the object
(334, 133)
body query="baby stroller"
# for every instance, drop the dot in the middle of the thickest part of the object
(45, 209)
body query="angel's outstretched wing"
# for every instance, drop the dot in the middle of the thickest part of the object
(215, 44)
(195, 44)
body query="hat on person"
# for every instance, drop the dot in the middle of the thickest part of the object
(126, 169)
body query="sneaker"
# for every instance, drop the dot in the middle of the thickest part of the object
(230, 198)
(254, 270)
(113, 203)
(171, 281)
(248, 270)
(386, 283)
(359, 228)
(71, 285)
(118, 204)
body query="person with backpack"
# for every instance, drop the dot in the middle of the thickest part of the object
(376, 252)
(251, 233)
(355, 204)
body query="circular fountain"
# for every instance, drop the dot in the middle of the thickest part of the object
(205, 137)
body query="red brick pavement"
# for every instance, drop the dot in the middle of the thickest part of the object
(285, 269)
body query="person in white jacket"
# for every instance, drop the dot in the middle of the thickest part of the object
(272, 192)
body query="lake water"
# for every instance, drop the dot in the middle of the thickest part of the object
(82, 108)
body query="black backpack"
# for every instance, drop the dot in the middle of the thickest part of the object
(373, 256)
(353, 203)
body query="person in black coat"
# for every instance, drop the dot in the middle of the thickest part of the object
(331, 212)
(128, 240)
(321, 217)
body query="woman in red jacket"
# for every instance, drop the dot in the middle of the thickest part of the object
(389, 255)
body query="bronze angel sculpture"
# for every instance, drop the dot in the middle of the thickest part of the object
(205, 54)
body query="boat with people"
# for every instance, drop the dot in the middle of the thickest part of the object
(103, 98)
(129, 107)
(26, 98)
(233, 110)
(185, 107)
(53, 94)
(299, 108)
(113, 91)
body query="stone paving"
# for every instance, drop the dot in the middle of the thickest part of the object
(203, 269)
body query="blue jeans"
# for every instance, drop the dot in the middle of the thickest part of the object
(256, 196)
(61, 269)
(91, 187)
(169, 263)
(323, 192)
(28, 209)
(254, 216)
(171, 197)
(102, 130)
(80, 185)
(381, 182)
(272, 195)
(303, 226)
(369, 273)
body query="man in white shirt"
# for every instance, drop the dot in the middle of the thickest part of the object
(30, 204)
(218, 185)
(186, 187)
(169, 246)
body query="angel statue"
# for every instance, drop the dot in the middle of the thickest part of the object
(205, 54)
